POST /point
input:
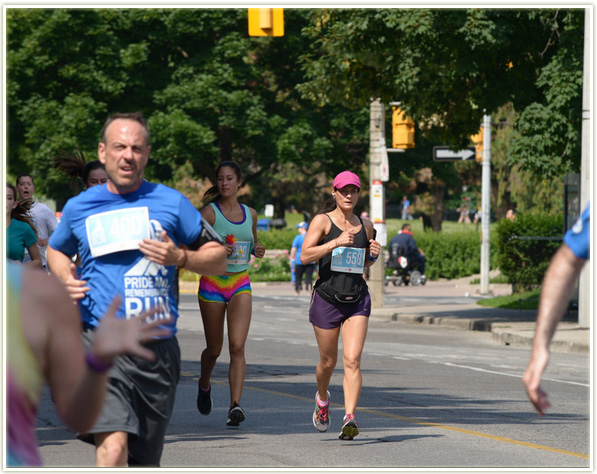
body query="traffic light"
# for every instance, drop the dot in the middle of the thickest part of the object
(478, 141)
(266, 22)
(403, 129)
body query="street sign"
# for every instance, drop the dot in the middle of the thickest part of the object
(443, 153)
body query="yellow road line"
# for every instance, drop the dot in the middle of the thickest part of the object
(419, 422)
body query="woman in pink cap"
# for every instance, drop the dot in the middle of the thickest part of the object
(344, 244)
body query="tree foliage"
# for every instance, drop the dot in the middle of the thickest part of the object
(292, 111)
(450, 66)
(210, 93)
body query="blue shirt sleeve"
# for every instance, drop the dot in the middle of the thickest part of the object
(62, 239)
(578, 238)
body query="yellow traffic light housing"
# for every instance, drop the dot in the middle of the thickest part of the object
(478, 141)
(403, 129)
(266, 22)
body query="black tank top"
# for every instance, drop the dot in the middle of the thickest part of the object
(340, 281)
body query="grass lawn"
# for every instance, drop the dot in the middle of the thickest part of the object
(528, 300)
(394, 225)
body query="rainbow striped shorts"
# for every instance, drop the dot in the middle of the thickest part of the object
(221, 289)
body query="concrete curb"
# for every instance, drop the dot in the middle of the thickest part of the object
(508, 327)
(568, 338)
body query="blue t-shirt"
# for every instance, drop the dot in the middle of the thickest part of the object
(102, 228)
(298, 244)
(578, 238)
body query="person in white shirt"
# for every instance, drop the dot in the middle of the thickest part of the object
(43, 217)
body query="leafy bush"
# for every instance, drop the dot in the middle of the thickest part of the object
(277, 238)
(454, 255)
(276, 268)
(525, 249)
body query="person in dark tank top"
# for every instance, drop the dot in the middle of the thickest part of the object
(344, 244)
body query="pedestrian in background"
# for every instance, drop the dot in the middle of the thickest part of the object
(560, 279)
(405, 205)
(344, 244)
(227, 296)
(20, 231)
(406, 240)
(42, 216)
(295, 257)
(127, 234)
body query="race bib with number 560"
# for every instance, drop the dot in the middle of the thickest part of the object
(115, 231)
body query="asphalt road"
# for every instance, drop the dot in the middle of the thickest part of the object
(432, 397)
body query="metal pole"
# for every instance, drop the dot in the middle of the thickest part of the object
(376, 133)
(584, 286)
(485, 203)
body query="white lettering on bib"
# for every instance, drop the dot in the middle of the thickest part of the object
(114, 231)
(348, 260)
(240, 256)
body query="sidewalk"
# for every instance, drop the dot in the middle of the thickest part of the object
(509, 327)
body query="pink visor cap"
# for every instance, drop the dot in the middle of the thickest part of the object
(346, 178)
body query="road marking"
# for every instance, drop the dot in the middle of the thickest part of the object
(414, 421)
(477, 369)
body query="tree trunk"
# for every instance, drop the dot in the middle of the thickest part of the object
(438, 189)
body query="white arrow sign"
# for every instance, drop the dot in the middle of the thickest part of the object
(443, 153)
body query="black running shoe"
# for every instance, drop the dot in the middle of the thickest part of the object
(236, 415)
(204, 400)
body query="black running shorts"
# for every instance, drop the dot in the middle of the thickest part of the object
(140, 400)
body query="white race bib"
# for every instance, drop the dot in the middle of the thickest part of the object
(348, 260)
(240, 256)
(114, 231)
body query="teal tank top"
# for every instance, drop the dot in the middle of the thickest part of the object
(239, 234)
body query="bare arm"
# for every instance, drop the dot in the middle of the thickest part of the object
(35, 255)
(209, 259)
(63, 267)
(374, 245)
(319, 228)
(258, 248)
(52, 329)
(558, 284)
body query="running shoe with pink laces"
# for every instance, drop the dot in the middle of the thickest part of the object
(321, 415)
(350, 428)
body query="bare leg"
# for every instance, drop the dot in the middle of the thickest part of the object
(111, 449)
(239, 320)
(354, 331)
(327, 341)
(212, 315)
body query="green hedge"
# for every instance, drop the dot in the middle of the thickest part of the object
(277, 239)
(524, 260)
(454, 255)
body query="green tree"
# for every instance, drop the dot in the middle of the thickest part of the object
(450, 66)
(210, 93)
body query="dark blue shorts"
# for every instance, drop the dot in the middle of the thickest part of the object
(326, 315)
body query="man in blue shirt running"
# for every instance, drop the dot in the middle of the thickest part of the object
(559, 281)
(127, 234)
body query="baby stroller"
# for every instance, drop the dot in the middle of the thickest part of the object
(404, 270)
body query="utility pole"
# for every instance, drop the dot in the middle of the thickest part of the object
(377, 198)
(584, 286)
(485, 204)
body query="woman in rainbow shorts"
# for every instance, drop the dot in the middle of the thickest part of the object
(229, 293)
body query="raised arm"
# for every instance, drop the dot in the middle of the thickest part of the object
(258, 248)
(63, 267)
(52, 329)
(558, 284)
